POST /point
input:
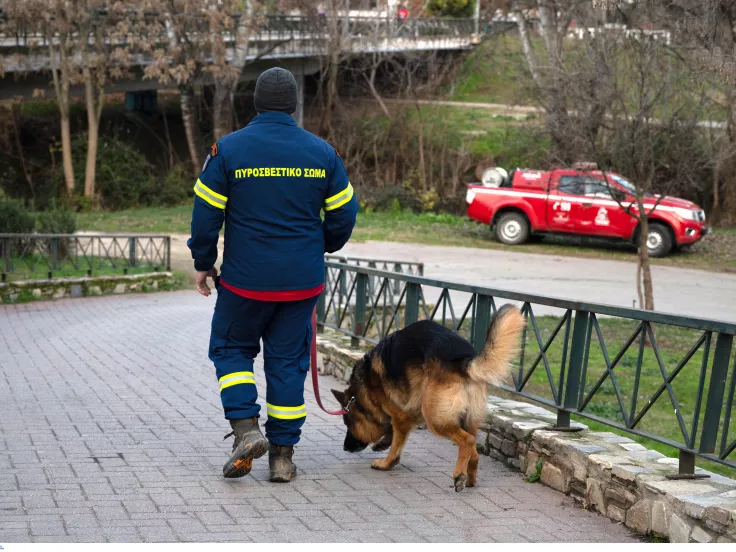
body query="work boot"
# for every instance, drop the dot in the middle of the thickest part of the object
(280, 464)
(249, 444)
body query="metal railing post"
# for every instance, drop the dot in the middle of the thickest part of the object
(482, 321)
(361, 286)
(132, 251)
(6, 269)
(396, 286)
(168, 253)
(574, 372)
(343, 280)
(54, 250)
(372, 279)
(716, 389)
(411, 310)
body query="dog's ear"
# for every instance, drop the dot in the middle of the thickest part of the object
(339, 395)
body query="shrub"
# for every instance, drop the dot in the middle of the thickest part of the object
(123, 175)
(56, 221)
(177, 187)
(15, 218)
(451, 8)
(388, 198)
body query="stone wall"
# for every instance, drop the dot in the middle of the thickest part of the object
(30, 290)
(606, 472)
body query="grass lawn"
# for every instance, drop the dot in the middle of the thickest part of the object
(717, 252)
(36, 268)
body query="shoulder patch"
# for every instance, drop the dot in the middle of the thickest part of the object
(214, 150)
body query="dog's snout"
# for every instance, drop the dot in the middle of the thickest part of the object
(352, 444)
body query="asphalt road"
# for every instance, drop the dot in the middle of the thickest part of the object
(676, 290)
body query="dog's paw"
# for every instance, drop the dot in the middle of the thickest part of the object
(460, 482)
(384, 464)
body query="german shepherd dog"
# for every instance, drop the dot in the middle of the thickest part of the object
(426, 373)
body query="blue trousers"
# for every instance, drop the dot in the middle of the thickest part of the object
(238, 326)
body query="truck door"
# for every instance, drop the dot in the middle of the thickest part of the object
(564, 203)
(604, 216)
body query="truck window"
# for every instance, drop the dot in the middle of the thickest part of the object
(595, 188)
(571, 185)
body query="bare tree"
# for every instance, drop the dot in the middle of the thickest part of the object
(105, 36)
(56, 26)
(655, 147)
(235, 21)
(548, 72)
(179, 57)
(334, 46)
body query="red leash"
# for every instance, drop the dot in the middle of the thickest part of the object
(315, 376)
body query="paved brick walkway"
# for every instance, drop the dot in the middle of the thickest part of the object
(111, 430)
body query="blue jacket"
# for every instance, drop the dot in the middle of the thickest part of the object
(269, 182)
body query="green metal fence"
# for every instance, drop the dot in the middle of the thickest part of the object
(568, 362)
(29, 256)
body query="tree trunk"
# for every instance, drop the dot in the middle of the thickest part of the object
(643, 258)
(557, 125)
(422, 167)
(60, 75)
(526, 46)
(728, 165)
(372, 85)
(91, 168)
(191, 128)
(94, 97)
(66, 153)
(716, 195)
(223, 109)
(325, 125)
(21, 155)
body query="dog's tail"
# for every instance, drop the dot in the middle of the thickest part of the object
(502, 343)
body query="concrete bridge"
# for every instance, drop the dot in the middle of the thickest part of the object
(296, 42)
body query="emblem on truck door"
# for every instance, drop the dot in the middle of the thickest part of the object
(601, 218)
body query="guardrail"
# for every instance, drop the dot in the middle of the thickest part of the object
(24, 256)
(400, 267)
(561, 373)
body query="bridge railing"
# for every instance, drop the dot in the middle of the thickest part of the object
(277, 27)
(663, 377)
(34, 256)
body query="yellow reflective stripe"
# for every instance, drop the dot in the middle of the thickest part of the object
(286, 412)
(211, 197)
(236, 378)
(227, 376)
(211, 192)
(338, 200)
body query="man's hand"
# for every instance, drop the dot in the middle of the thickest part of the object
(201, 280)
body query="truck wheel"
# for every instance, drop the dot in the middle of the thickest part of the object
(512, 229)
(659, 240)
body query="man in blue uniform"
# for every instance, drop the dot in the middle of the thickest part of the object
(269, 181)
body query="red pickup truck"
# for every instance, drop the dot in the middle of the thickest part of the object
(526, 202)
